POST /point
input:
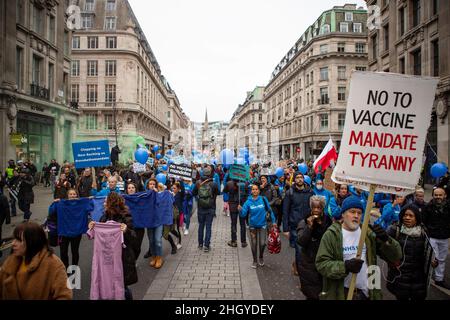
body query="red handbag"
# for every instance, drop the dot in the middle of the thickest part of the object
(274, 241)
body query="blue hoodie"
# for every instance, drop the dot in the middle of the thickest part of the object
(142, 207)
(72, 216)
(257, 210)
(104, 192)
(389, 216)
(217, 182)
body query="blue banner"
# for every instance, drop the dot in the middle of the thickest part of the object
(91, 154)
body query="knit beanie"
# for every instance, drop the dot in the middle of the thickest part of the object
(350, 203)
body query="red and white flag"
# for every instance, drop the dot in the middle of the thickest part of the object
(328, 154)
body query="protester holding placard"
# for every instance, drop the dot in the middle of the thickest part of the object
(436, 217)
(85, 183)
(336, 259)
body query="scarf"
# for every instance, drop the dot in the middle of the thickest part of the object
(411, 232)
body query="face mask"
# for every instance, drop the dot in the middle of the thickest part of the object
(319, 187)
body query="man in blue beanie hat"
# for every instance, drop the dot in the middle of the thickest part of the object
(336, 259)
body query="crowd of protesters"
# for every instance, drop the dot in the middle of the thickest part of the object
(322, 225)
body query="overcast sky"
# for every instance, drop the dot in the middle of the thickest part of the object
(213, 51)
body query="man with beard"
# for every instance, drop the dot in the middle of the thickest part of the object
(85, 183)
(336, 259)
(436, 217)
(295, 209)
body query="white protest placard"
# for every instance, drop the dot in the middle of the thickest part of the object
(138, 167)
(151, 161)
(386, 125)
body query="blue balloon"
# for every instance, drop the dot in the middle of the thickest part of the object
(158, 156)
(161, 178)
(155, 148)
(226, 157)
(438, 170)
(303, 168)
(141, 155)
(165, 167)
(307, 180)
(279, 172)
(170, 152)
(170, 161)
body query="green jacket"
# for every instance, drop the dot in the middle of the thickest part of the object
(330, 261)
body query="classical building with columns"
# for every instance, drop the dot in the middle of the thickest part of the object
(37, 120)
(117, 82)
(307, 95)
(414, 38)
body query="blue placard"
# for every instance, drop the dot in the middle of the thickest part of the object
(91, 154)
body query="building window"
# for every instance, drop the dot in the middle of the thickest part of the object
(435, 8)
(75, 93)
(341, 121)
(19, 67)
(324, 95)
(325, 29)
(357, 27)
(360, 68)
(110, 94)
(341, 93)
(91, 94)
(38, 20)
(91, 121)
(360, 47)
(323, 122)
(52, 29)
(260, 106)
(402, 66)
(110, 68)
(75, 69)
(417, 60)
(75, 42)
(87, 22)
(111, 42)
(110, 23)
(341, 47)
(92, 68)
(323, 48)
(92, 42)
(402, 22)
(324, 74)
(110, 5)
(109, 122)
(374, 46)
(312, 77)
(343, 27)
(435, 49)
(349, 16)
(89, 5)
(416, 8)
(386, 37)
(36, 70)
(341, 72)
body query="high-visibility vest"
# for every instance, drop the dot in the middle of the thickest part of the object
(10, 172)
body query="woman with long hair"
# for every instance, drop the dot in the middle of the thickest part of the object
(32, 271)
(116, 210)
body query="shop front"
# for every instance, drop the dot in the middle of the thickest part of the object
(37, 138)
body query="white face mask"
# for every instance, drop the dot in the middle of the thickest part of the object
(319, 187)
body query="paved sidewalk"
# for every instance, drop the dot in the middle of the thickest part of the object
(223, 273)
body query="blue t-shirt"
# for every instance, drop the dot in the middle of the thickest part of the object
(73, 216)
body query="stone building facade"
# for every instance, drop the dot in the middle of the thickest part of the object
(414, 38)
(117, 82)
(37, 120)
(307, 95)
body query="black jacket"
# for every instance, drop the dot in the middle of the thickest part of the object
(437, 220)
(411, 280)
(4, 209)
(84, 186)
(234, 198)
(270, 193)
(295, 207)
(129, 253)
(25, 189)
(309, 240)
